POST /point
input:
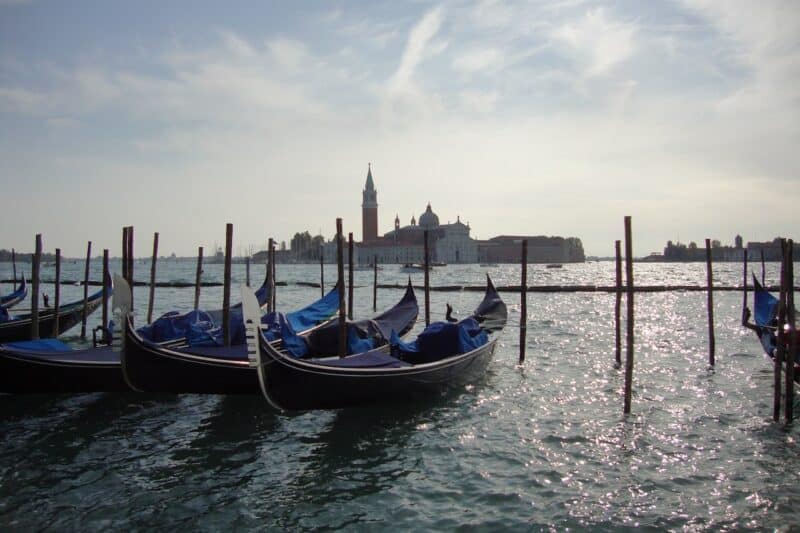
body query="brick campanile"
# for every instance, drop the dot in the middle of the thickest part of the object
(369, 210)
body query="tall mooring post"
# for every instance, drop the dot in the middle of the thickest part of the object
(710, 292)
(85, 311)
(629, 289)
(106, 287)
(374, 283)
(523, 302)
(427, 268)
(226, 289)
(57, 290)
(152, 295)
(198, 275)
(780, 350)
(35, 267)
(618, 306)
(340, 286)
(791, 331)
(350, 275)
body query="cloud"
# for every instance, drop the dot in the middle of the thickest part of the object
(288, 53)
(236, 45)
(416, 50)
(478, 60)
(478, 101)
(599, 42)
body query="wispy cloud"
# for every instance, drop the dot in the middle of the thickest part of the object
(416, 50)
(478, 60)
(599, 42)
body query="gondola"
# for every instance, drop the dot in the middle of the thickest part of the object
(765, 319)
(18, 328)
(375, 377)
(226, 370)
(49, 365)
(10, 300)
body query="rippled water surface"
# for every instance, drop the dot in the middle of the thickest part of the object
(538, 446)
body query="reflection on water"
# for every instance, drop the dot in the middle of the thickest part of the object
(540, 446)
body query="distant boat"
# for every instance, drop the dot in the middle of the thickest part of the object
(366, 267)
(414, 267)
(555, 265)
(489, 265)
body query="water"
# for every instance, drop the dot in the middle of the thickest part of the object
(543, 446)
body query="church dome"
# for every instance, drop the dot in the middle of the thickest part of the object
(429, 219)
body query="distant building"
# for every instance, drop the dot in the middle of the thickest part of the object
(541, 249)
(369, 210)
(447, 243)
(692, 252)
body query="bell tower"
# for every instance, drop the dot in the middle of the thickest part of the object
(369, 209)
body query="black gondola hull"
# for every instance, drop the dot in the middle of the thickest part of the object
(293, 385)
(149, 368)
(30, 372)
(152, 368)
(68, 317)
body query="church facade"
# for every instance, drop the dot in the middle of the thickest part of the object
(448, 243)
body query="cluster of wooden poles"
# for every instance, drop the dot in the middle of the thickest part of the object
(786, 334)
(786, 310)
(36, 261)
(786, 321)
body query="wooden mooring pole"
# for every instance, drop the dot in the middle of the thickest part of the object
(374, 283)
(618, 306)
(791, 333)
(125, 254)
(350, 275)
(197, 277)
(226, 289)
(322, 271)
(130, 267)
(35, 266)
(340, 285)
(270, 273)
(152, 294)
(763, 269)
(85, 311)
(247, 270)
(744, 287)
(523, 302)
(710, 286)
(57, 290)
(629, 287)
(427, 268)
(781, 338)
(272, 291)
(106, 279)
(14, 266)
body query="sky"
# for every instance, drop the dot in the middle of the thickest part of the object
(525, 118)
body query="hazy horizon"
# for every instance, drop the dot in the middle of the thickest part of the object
(537, 118)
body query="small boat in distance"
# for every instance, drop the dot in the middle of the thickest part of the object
(414, 267)
(554, 265)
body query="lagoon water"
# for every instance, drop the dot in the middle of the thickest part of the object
(539, 446)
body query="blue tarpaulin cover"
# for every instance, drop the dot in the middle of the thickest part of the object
(173, 325)
(200, 329)
(765, 305)
(41, 345)
(440, 340)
